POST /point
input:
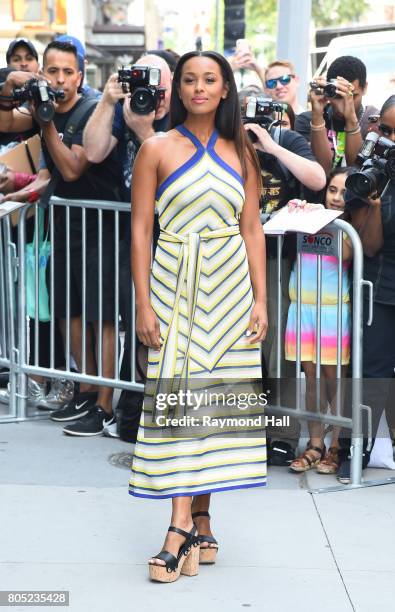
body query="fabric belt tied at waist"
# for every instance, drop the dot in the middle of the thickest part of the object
(188, 268)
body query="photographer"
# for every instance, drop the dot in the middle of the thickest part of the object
(115, 125)
(374, 219)
(288, 168)
(338, 120)
(21, 56)
(74, 178)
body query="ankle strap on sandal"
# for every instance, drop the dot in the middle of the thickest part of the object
(201, 513)
(186, 534)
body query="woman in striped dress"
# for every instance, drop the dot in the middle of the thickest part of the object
(201, 309)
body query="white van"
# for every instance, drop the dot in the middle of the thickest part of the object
(377, 51)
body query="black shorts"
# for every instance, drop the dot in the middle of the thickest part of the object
(92, 277)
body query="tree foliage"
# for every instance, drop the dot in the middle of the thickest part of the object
(327, 13)
(261, 18)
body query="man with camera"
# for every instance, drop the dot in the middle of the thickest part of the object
(135, 105)
(370, 200)
(338, 120)
(125, 119)
(71, 176)
(22, 56)
(288, 168)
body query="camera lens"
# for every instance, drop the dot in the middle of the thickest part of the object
(142, 101)
(45, 111)
(363, 184)
(330, 90)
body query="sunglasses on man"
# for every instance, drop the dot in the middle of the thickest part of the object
(386, 130)
(283, 80)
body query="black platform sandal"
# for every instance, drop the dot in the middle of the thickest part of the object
(207, 554)
(186, 562)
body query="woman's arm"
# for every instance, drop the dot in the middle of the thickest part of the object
(37, 186)
(144, 185)
(369, 225)
(254, 239)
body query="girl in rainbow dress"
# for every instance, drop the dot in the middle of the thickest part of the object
(315, 455)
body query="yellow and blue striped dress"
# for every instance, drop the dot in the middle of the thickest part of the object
(201, 293)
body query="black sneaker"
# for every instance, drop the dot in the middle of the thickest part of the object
(280, 454)
(76, 408)
(92, 424)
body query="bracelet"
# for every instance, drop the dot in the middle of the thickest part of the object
(33, 196)
(317, 128)
(353, 131)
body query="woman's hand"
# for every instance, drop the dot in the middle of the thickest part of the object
(257, 327)
(147, 327)
(265, 142)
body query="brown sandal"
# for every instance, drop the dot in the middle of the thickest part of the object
(310, 462)
(330, 464)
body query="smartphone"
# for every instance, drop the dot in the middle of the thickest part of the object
(242, 45)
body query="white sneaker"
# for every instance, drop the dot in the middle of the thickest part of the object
(110, 431)
(35, 393)
(61, 392)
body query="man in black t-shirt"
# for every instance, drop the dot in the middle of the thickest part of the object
(289, 170)
(337, 126)
(78, 179)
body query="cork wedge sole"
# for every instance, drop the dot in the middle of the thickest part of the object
(186, 562)
(208, 555)
(187, 566)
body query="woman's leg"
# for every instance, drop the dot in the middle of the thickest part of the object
(181, 517)
(201, 503)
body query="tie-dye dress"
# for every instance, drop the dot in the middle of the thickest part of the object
(329, 311)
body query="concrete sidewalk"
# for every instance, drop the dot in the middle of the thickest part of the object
(68, 523)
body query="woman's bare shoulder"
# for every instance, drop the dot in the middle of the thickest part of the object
(160, 141)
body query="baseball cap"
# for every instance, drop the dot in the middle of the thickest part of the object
(19, 42)
(78, 45)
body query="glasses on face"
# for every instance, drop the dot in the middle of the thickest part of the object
(283, 80)
(386, 130)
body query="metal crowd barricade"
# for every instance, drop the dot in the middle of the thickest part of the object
(354, 422)
(28, 361)
(15, 341)
(8, 350)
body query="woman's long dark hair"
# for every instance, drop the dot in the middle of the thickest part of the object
(228, 116)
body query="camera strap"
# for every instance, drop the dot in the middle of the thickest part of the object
(72, 126)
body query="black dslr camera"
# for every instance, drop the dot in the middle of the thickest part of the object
(260, 110)
(328, 90)
(143, 84)
(377, 162)
(42, 95)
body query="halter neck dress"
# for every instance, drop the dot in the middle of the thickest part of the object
(201, 293)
